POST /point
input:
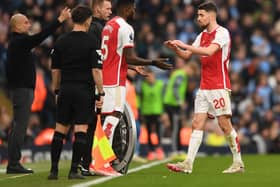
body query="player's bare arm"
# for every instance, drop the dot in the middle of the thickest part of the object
(180, 52)
(97, 76)
(56, 74)
(138, 69)
(56, 77)
(132, 59)
(203, 51)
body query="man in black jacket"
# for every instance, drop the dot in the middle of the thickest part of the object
(21, 77)
(102, 9)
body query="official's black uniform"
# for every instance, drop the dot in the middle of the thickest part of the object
(21, 77)
(75, 55)
(95, 30)
(95, 33)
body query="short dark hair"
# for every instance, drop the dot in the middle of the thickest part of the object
(93, 3)
(123, 3)
(208, 6)
(81, 13)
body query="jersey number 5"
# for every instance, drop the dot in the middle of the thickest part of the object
(104, 47)
(219, 103)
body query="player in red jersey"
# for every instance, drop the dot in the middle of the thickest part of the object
(119, 55)
(213, 98)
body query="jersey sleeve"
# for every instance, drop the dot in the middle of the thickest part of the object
(221, 38)
(56, 57)
(196, 43)
(127, 36)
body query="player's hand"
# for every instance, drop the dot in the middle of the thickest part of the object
(178, 43)
(162, 63)
(64, 15)
(141, 70)
(99, 103)
(170, 45)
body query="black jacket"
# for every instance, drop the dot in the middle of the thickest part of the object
(95, 30)
(20, 67)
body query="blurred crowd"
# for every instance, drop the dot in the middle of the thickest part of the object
(254, 26)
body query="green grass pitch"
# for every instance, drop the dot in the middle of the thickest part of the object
(260, 171)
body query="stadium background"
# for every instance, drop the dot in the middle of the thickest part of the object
(255, 66)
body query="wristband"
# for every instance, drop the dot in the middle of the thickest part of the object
(56, 91)
(101, 94)
(97, 97)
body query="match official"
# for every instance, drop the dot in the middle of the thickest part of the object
(102, 9)
(75, 71)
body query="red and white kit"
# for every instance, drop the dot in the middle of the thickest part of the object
(214, 94)
(116, 35)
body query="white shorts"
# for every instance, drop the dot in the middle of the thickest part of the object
(114, 99)
(214, 102)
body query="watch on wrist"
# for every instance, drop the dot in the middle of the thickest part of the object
(56, 91)
(101, 94)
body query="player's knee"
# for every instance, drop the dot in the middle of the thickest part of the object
(81, 128)
(225, 124)
(61, 128)
(226, 129)
(196, 124)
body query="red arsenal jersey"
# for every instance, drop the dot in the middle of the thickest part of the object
(117, 35)
(214, 69)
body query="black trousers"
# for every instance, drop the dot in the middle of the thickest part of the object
(22, 99)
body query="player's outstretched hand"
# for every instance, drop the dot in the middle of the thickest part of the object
(178, 43)
(175, 44)
(140, 70)
(162, 63)
(64, 15)
(170, 45)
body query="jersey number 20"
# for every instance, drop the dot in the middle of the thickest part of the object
(219, 103)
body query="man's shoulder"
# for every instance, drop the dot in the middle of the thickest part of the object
(62, 38)
(119, 22)
(16, 38)
(123, 23)
(96, 25)
(223, 30)
(72, 37)
(112, 25)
